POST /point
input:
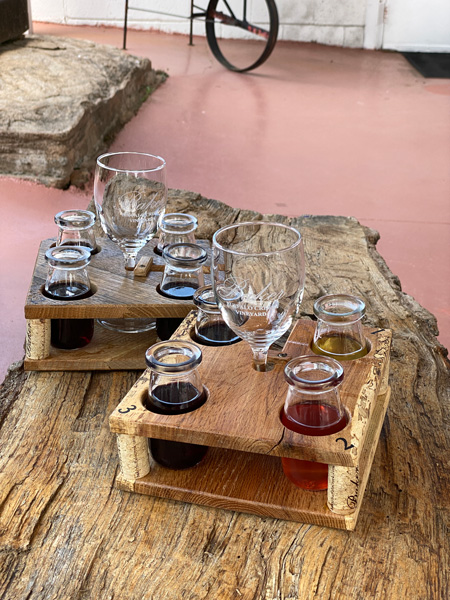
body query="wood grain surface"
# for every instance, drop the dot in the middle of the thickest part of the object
(67, 532)
(243, 407)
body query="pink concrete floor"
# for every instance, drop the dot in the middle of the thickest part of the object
(316, 130)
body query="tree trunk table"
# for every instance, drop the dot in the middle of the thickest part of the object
(66, 531)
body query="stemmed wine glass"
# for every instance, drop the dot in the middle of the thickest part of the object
(130, 194)
(258, 279)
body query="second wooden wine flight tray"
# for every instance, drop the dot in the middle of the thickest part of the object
(117, 294)
(240, 422)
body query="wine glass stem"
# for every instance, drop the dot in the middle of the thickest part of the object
(260, 360)
(130, 262)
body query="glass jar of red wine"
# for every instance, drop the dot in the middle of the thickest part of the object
(76, 228)
(339, 331)
(210, 328)
(312, 407)
(68, 280)
(183, 275)
(175, 388)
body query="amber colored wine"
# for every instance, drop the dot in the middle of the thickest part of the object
(310, 418)
(175, 399)
(70, 334)
(340, 347)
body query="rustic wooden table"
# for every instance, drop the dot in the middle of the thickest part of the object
(66, 531)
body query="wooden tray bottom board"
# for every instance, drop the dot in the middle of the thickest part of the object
(255, 483)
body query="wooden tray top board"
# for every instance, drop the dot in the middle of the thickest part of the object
(118, 294)
(243, 408)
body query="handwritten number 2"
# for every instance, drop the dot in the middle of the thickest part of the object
(346, 446)
(124, 411)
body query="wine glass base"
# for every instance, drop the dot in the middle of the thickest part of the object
(128, 325)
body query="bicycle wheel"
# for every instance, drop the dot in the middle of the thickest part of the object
(241, 33)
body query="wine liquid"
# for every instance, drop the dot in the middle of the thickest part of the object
(180, 290)
(340, 347)
(175, 399)
(69, 334)
(216, 333)
(310, 419)
(165, 328)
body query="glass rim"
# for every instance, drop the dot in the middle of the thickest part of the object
(184, 260)
(80, 256)
(294, 244)
(178, 346)
(63, 218)
(151, 170)
(359, 306)
(332, 366)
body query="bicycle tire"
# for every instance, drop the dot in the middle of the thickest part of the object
(216, 17)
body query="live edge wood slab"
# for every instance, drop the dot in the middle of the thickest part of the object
(67, 532)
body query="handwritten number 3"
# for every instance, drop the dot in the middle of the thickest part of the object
(346, 446)
(124, 411)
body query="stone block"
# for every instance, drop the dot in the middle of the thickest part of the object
(61, 103)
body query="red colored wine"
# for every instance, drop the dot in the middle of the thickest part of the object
(180, 290)
(69, 334)
(216, 333)
(310, 419)
(166, 327)
(175, 399)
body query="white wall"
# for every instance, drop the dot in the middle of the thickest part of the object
(413, 25)
(409, 24)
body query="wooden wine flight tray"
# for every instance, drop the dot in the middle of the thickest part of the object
(240, 422)
(117, 294)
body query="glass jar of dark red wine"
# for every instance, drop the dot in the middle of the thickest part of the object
(68, 280)
(183, 275)
(312, 407)
(339, 332)
(210, 328)
(175, 388)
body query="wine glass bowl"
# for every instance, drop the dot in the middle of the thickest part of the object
(130, 196)
(258, 277)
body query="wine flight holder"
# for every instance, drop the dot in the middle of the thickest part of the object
(240, 423)
(117, 294)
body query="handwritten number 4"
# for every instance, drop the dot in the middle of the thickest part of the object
(346, 446)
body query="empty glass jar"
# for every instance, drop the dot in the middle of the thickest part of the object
(210, 328)
(76, 228)
(68, 280)
(312, 407)
(339, 331)
(175, 228)
(175, 388)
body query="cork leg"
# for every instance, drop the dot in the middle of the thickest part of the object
(343, 489)
(37, 345)
(133, 456)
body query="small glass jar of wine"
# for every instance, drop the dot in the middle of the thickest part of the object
(76, 228)
(312, 407)
(175, 388)
(210, 328)
(175, 228)
(68, 280)
(183, 275)
(339, 331)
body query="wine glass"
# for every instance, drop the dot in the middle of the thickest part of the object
(258, 278)
(130, 195)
